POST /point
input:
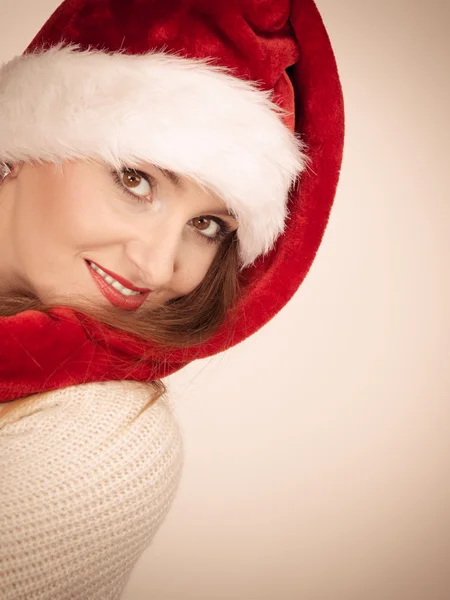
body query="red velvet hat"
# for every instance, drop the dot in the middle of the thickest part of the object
(243, 97)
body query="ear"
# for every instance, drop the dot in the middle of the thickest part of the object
(15, 170)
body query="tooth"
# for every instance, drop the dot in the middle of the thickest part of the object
(115, 284)
(100, 271)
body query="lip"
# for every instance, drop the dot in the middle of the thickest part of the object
(122, 280)
(114, 296)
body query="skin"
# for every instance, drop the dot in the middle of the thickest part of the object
(53, 218)
(17, 407)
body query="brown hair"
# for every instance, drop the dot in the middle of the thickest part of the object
(181, 322)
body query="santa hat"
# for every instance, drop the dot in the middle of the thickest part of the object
(234, 95)
(204, 113)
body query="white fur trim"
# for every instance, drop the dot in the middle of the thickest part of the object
(180, 114)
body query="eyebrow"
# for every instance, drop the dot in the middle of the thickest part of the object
(224, 212)
(171, 176)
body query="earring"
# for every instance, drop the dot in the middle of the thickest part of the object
(5, 170)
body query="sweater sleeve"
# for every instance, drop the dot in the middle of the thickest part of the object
(85, 484)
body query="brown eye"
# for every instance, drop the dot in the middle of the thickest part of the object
(133, 180)
(201, 223)
(207, 227)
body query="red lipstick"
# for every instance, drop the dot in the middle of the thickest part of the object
(122, 280)
(114, 296)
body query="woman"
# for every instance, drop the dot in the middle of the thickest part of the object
(150, 216)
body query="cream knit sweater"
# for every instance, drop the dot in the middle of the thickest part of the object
(83, 489)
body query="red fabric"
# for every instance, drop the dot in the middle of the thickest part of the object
(284, 46)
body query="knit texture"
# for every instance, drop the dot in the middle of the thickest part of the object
(83, 489)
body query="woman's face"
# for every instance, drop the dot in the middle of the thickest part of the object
(155, 230)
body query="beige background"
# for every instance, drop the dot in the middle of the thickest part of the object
(317, 452)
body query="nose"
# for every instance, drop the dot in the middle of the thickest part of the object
(155, 259)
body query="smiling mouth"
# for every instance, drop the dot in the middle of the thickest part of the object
(117, 294)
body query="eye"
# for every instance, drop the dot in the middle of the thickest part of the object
(137, 185)
(210, 229)
(135, 182)
(206, 226)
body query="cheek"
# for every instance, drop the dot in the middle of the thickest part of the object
(198, 264)
(70, 218)
(194, 265)
(77, 211)
(60, 221)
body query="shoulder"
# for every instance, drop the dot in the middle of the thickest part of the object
(89, 418)
(85, 467)
(121, 401)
